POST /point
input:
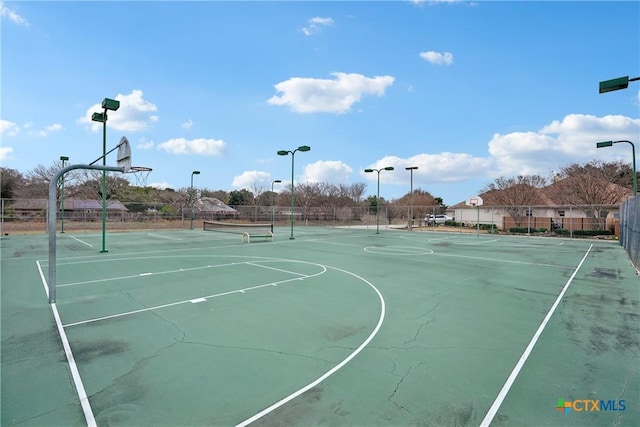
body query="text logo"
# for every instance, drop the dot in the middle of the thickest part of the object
(590, 405)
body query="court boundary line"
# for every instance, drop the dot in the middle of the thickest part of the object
(493, 410)
(75, 373)
(333, 370)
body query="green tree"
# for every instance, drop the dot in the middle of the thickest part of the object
(240, 197)
(10, 182)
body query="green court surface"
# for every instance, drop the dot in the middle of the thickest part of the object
(339, 326)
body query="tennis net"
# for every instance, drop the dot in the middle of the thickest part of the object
(246, 231)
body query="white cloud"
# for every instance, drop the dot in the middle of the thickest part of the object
(187, 125)
(438, 58)
(43, 133)
(560, 143)
(436, 2)
(331, 171)
(145, 145)
(309, 95)
(433, 168)
(572, 139)
(250, 179)
(5, 12)
(5, 153)
(135, 114)
(8, 128)
(199, 146)
(316, 24)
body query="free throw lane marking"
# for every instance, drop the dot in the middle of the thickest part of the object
(81, 241)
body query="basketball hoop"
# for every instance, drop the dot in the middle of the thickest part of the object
(141, 174)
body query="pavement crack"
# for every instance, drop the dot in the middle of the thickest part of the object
(391, 397)
(266, 350)
(423, 324)
(622, 394)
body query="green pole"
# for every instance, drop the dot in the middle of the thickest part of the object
(293, 153)
(378, 206)
(104, 184)
(388, 168)
(302, 148)
(63, 158)
(273, 205)
(635, 175)
(191, 197)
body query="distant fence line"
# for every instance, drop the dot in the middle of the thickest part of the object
(29, 214)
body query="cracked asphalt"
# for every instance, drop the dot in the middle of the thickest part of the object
(337, 327)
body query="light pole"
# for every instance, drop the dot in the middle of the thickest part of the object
(616, 84)
(633, 160)
(191, 196)
(64, 159)
(113, 105)
(277, 181)
(388, 168)
(411, 168)
(302, 148)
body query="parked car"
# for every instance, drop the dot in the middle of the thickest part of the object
(437, 219)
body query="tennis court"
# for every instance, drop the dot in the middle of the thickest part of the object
(339, 326)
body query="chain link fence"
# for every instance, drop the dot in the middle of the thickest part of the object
(630, 229)
(602, 220)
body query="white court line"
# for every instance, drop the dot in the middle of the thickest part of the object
(180, 270)
(160, 236)
(331, 371)
(77, 380)
(481, 242)
(507, 385)
(81, 241)
(190, 300)
(500, 260)
(276, 269)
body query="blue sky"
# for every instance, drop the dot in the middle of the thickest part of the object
(466, 91)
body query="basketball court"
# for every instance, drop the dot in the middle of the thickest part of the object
(338, 326)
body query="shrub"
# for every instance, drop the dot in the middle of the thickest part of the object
(592, 233)
(527, 230)
(561, 231)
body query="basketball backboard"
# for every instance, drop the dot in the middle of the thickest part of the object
(474, 201)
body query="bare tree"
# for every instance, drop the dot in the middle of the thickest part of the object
(515, 194)
(591, 184)
(36, 182)
(257, 191)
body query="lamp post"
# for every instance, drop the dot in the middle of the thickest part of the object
(633, 160)
(64, 159)
(277, 181)
(191, 196)
(411, 169)
(113, 105)
(302, 148)
(616, 84)
(388, 168)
